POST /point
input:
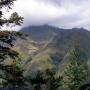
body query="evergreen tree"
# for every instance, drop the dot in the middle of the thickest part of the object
(76, 72)
(38, 81)
(11, 74)
(52, 81)
(48, 79)
(14, 18)
(7, 37)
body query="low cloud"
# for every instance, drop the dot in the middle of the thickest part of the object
(60, 13)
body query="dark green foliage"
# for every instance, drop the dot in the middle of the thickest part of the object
(11, 74)
(14, 18)
(48, 79)
(7, 39)
(6, 3)
(53, 82)
(85, 87)
(76, 72)
(38, 81)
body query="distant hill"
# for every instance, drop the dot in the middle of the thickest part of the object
(40, 33)
(51, 46)
(61, 39)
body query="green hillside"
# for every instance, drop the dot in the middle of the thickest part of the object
(48, 47)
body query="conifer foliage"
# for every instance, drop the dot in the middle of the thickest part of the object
(11, 74)
(14, 18)
(53, 81)
(77, 70)
(38, 81)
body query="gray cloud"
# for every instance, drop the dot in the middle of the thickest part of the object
(55, 2)
(62, 2)
(60, 13)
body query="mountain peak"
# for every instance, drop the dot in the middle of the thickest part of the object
(83, 29)
(45, 32)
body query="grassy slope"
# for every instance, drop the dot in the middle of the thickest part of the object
(56, 46)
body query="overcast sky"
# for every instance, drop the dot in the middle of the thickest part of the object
(60, 13)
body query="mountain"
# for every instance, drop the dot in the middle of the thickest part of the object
(47, 46)
(56, 38)
(40, 33)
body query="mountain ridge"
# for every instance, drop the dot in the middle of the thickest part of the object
(53, 45)
(45, 30)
